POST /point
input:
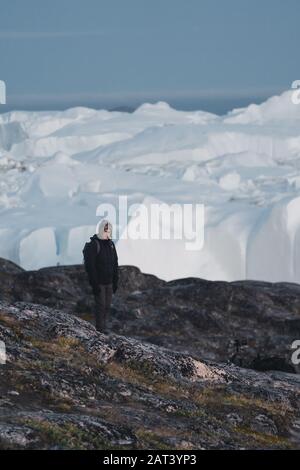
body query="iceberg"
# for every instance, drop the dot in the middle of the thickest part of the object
(57, 167)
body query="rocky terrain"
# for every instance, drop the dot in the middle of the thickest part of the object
(189, 364)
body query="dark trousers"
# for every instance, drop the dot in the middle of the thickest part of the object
(102, 306)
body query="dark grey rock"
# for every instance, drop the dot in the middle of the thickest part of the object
(188, 364)
(249, 323)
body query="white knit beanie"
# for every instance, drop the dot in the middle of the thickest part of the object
(101, 226)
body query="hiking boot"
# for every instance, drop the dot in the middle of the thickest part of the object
(102, 330)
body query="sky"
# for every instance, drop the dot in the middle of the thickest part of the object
(189, 53)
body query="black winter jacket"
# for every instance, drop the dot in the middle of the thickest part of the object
(102, 268)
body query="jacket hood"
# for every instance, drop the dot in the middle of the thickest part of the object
(100, 233)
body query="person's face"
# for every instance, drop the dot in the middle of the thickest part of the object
(106, 231)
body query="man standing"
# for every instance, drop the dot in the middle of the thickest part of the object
(101, 261)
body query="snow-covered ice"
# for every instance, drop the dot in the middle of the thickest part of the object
(56, 167)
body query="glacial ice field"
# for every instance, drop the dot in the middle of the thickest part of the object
(57, 167)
